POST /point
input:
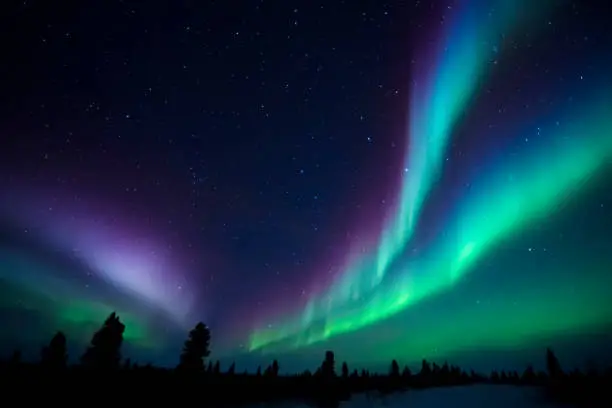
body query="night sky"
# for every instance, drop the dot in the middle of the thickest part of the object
(419, 179)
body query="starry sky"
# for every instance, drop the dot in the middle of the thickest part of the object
(420, 179)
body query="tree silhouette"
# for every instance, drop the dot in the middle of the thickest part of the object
(406, 373)
(445, 370)
(394, 371)
(552, 364)
(425, 373)
(55, 355)
(328, 368)
(105, 349)
(345, 370)
(325, 389)
(275, 368)
(196, 349)
(529, 375)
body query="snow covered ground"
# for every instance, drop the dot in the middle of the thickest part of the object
(495, 396)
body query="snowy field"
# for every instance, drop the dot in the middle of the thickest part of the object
(495, 396)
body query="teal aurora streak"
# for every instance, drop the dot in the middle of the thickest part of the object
(501, 203)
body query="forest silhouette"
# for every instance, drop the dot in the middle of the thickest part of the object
(102, 375)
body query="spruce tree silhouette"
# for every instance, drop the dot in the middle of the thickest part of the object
(394, 370)
(328, 393)
(275, 368)
(105, 349)
(217, 368)
(54, 355)
(425, 375)
(552, 365)
(232, 369)
(345, 370)
(406, 373)
(425, 368)
(328, 368)
(529, 375)
(196, 349)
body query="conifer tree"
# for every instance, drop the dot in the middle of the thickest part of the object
(394, 371)
(196, 349)
(55, 355)
(406, 373)
(529, 375)
(345, 370)
(425, 368)
(275, 368)
(105, 349)
(552, 364)
(328, 368)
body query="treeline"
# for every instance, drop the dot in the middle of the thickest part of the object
(102, 366)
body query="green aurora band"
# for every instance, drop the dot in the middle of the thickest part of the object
(521, 192)
(533, 186)
(438, 102)
(364, 294)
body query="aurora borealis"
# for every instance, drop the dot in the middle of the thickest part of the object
(528, 188)
(514, 196)
(436, 101)
(434, 185)
(41, 274)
